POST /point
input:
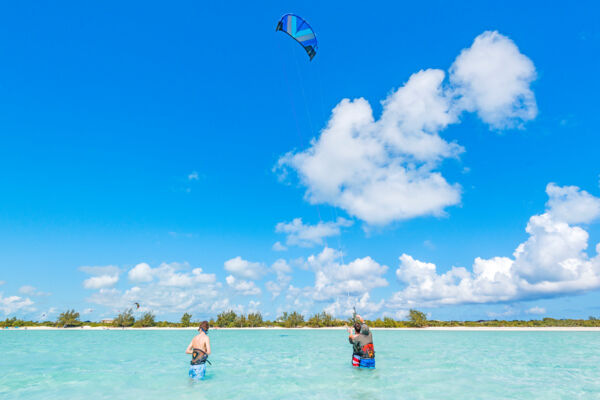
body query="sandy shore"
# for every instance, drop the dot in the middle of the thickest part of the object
(457, 328)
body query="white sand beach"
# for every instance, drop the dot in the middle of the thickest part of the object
(193, 328)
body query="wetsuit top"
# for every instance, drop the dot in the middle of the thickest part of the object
(198, 357)
(363, 343)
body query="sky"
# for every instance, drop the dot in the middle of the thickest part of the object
(433, 155)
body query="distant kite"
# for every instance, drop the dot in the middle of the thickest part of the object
(137, 305)
(301, 31)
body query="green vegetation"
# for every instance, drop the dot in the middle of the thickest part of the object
(417, 318)
(294, 319)
(68, 319)
(227, 319)
(186, 320)
(321, 320)
(147, 320)
(125, 319)
(255, 319)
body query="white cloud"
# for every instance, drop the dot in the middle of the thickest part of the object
(333, 278)
(384, 170)
(102, 281)
(493, 79)
(142, 272)
(244, 269)
(32, 291)
(344, 306)
(282, 269)
(193, 176)
(572, 205)
(12, 304)
(224, 304)
(173, 287)
(306, 235)
(103, 277)
(536, 310)
(27, 289)
(551, 262)
(247, 288)
(277, 246)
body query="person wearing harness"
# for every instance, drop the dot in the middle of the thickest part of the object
(363, 354)
(199, 348)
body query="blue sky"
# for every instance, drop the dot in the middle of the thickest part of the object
(153, 135)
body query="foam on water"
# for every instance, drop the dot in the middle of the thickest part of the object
(307, 364)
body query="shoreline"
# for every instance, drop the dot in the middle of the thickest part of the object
(193, 328)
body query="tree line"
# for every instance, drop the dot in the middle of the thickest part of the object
(294, 319)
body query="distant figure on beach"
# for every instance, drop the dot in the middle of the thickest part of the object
(363, 354)
(199, 348)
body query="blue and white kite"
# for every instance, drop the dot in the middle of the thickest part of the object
(301, 31)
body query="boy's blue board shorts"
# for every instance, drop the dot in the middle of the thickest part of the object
(197, 371)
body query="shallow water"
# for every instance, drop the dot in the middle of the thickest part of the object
(294, 364)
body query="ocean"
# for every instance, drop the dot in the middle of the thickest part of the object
(299, 364)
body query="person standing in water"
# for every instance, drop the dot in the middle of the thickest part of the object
(199, 348)
(363, 354)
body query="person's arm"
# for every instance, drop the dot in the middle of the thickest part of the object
(190, 348)
(207, 345)
(350, 335)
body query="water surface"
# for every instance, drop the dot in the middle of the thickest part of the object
(299, 364)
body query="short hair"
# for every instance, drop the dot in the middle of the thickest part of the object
(204, 326)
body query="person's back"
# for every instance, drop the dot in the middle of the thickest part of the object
(363, 349)
(199, 348)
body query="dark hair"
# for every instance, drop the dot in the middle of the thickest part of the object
(204, 326)
(357, 327)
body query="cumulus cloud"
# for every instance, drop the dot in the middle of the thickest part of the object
(306, 235)
(169, 287)
(493, 79)
(344, 306)
(551, 262)
(384, 170)
(103, 281)
(282, 270)
(142, 272)
(247, 288)
(333, 278)
(572, 205)
(12, 304)
(244, 268)
(103, 277)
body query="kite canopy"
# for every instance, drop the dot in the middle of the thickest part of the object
(301, 31)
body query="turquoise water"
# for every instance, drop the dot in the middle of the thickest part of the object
(294, 364)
